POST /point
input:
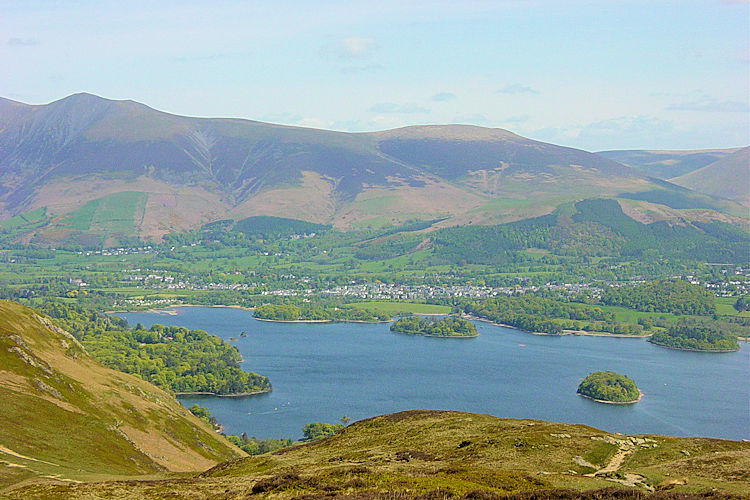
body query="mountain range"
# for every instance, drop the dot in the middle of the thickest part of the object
(85, 168)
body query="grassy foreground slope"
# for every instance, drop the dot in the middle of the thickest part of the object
(65, 416)
(438, 454)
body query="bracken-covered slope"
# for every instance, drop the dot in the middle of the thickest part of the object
(444, 455)
(65, 416)
(94, 166)
(728, 177)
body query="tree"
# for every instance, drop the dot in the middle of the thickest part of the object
(742, 304)
(319, 430)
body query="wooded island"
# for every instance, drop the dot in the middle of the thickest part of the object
(609, 387)
(431, 327)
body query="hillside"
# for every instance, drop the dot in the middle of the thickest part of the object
(66, 417)
(667, 164)
(86, 169)
(595, 227)
(433, 454)
(728, 177)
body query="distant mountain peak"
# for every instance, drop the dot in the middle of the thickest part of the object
(460, 132)
(187, 171)
(83, 97)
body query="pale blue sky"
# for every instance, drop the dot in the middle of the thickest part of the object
(603, 74)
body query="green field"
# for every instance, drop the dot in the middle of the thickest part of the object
(725, 307)
(396, 308)
(115, 213)
(26, 220)
(632, 316)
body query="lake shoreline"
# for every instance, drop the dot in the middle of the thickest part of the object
(317, 375)
(213, 394)
(605, 334)
(165, 310)
(436, 336)
(320, 321)
(690, 349)
(640, 396)
(564, 333)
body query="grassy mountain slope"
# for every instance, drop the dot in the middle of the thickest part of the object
(65, 416)
(180, 172)
(728, 177)
(453, 455)
(667, 164)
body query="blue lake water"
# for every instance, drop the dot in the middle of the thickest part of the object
(321, 372)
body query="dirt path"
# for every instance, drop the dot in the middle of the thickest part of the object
(625, 447)
(8, 451)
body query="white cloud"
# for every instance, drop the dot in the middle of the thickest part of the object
(351, 48)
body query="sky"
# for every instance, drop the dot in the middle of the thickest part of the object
(596, 75)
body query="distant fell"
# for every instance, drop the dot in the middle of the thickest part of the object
(728, 177)
(665, 164)
(84, 151)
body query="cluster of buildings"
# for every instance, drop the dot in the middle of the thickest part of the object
(388, 291)
(113, 252)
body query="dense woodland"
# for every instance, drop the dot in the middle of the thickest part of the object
(701, 335)
(174, 358)
(445, 327)
(545, 315)
(609, 386)
(667, 296)
(590, 228)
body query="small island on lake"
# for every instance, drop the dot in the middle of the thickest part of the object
(698, 336)
(609, 387)
(450, 327)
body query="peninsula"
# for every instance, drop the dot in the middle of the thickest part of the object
(705, 336)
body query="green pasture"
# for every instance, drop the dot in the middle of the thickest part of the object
(396, 308)
(115, 213)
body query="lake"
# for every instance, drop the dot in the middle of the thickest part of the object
(321, 372)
